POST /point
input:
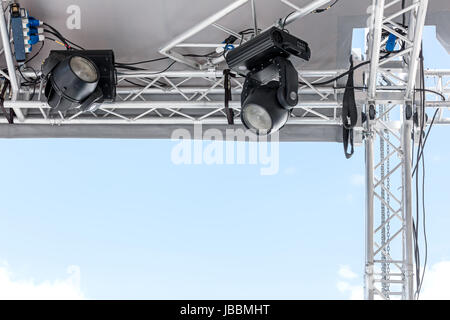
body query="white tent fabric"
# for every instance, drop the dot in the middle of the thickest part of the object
(136, 29)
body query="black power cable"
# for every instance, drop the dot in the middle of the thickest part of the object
(9, 117)
(141, 62)
(153, 73)
(283, 25)
(29, 82)
(434, 92)
(63, 39)
(327, 8)
(420, 275)
(342, 75)
(421, 157)
(426, 139)
(129, 65)
(36, 54)
(395, 89)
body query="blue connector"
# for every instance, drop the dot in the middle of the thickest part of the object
(31, 32)
(35, 39)
(391, 43)
(33, 23)
(228, 47)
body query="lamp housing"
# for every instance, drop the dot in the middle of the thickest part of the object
(257, 53)
(79, 79)
(271, 85)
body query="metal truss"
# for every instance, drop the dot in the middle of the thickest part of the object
(196, 95)
(389, 270)
(439, 81)
(184, 97)
(188, 97)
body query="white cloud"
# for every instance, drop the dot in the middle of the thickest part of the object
(346, 273)
(12, 288)
(349, 198)
(355, 292)
(437, 282)
(290, 171)
(436, 158)
(358, 180)
(344, 285)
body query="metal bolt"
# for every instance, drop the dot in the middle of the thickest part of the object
(293, 95)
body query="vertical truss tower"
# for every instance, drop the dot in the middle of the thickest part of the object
(390, 128)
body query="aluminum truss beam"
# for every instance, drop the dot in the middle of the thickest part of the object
(181, 98)
(197, 96)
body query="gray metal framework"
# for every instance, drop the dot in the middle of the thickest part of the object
(195, 95)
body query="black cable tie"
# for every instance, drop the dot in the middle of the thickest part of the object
(10, 117)
(228, 96)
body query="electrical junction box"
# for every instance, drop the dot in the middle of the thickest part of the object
(17, 14)
(26, 32)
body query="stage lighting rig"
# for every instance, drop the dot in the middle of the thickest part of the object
(79, 79)
(271, 86)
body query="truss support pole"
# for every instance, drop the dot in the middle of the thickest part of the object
(416, 35)
(378, 7)
(418, 21)
(254, 17)
(375, 41)
(369, 220)
(408, 290)
(10, 63)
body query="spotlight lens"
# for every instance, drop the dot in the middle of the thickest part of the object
(84, 69)
(257, 118)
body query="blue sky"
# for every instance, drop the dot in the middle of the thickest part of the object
(139, 227)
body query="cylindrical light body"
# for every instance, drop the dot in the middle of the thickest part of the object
(71, 82)
(261, 111)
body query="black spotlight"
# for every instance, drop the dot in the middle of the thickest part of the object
(271, 87)
(79, 79)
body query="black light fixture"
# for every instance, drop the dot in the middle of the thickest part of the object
(79, 79)
(271, 87)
